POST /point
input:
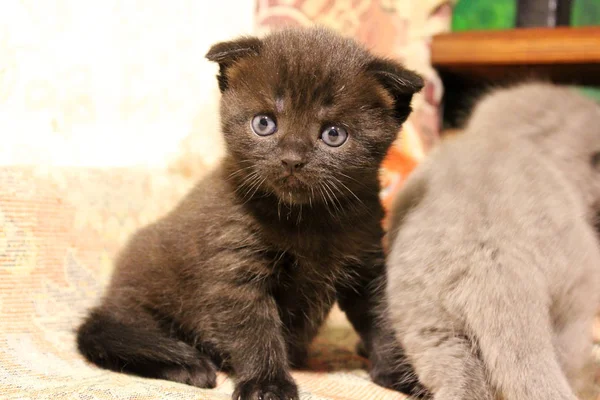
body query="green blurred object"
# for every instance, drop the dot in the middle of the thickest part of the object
(585, 13)
(590, 91)
(484, 15)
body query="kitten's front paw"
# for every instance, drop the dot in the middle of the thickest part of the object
(400, 379)
(274, 389)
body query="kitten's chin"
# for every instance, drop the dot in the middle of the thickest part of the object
(292, 190)
(294, 198)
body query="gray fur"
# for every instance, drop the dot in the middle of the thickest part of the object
(494, 270)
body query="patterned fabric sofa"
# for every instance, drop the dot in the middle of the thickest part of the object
(59, 230)
(99, 140)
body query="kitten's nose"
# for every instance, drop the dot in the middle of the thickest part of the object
(292, 163)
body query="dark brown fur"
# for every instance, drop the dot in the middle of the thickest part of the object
(242, 273)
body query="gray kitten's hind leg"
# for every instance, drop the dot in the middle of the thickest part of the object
(574, 345)
(475, 344)
(515, 343)
(447, 364)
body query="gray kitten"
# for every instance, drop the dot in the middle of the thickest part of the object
(494, 270)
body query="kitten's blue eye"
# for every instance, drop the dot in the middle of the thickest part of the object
(334, 136)
(263, 125)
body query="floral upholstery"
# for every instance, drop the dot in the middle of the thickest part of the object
(60, 230)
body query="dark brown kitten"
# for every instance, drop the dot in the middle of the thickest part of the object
(243, 272)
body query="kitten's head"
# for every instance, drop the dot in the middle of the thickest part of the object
(563, 123)
(307, 114)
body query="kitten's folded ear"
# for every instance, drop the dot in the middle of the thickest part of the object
(401, 83)
(227, 53)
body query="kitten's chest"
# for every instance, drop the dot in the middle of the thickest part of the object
(314, 254)
(319, 237)
(324, 246)
(291, 269)
(314, 269)
(299, 282)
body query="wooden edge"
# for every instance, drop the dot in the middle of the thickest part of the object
(517, 46)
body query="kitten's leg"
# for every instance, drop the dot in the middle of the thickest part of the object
(140, 347)
(444, 358)
(302, 309)
(302, 323)
(364, 305)
(574, 345)
(514, 334)
(247, 327)
(573, 325)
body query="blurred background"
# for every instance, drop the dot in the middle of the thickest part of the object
(110, 83)
(125, 83)
(109, 113)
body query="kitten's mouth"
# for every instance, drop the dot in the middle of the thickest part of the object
(292, 188)
(291, 184)
(291, 181)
